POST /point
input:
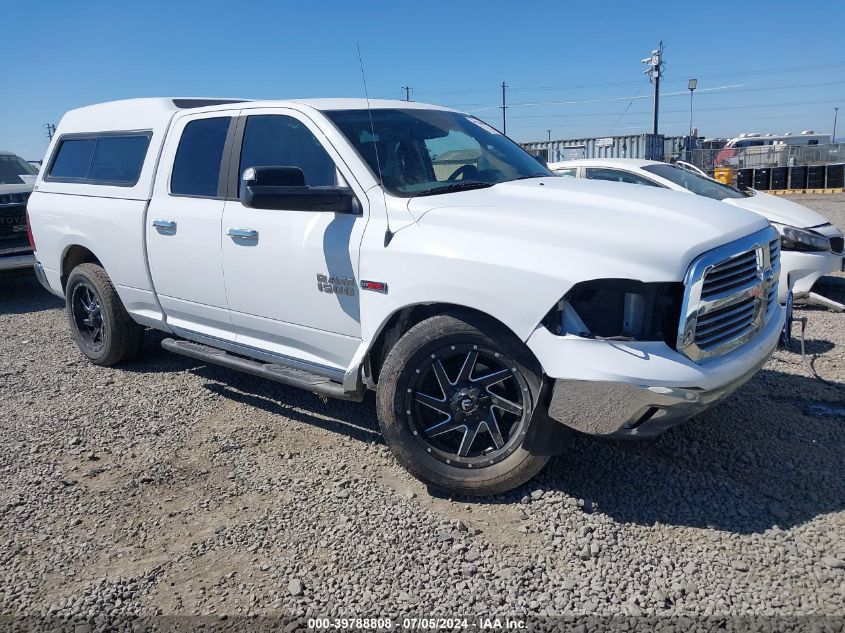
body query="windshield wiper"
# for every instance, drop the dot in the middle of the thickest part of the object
(456, 186)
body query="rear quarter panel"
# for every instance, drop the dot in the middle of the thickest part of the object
(111, 228)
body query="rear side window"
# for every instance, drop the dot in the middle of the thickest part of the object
(113, 159)
(196, 169)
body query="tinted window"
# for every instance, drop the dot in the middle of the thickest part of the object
(282, 141)
(196, 170)
(73, 158)
(12, 168)
(616, 175)
(111, 159)
(569, 172)
(118, 158)
(691, 181)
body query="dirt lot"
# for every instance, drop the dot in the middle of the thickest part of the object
(171, 487)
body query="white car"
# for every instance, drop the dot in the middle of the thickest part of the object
(811, 246)
(339, 246)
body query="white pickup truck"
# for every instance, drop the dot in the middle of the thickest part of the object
(341, 245)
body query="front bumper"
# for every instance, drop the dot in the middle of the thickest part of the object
(800, 270)
(623, 410)
(622, 389)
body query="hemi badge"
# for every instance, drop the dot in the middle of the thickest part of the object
(375, 286)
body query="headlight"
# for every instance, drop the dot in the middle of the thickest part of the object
(795, 239)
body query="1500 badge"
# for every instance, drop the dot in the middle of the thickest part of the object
(334, 285)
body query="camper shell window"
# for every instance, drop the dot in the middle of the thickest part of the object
(113, 158)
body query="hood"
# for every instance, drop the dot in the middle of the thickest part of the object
(618, 230)
(15, 188)
(779, 209)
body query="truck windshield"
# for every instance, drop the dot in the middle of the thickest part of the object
(13, 167)
(426, 152)
(693, 182)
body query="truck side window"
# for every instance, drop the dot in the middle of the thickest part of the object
(282, 141)
(196, 170)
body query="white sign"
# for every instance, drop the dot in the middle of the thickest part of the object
(604, 142)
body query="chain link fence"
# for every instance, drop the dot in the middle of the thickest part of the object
(766, 156)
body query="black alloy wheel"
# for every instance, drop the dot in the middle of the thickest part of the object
(87, 311)
(99, 323)
(467, 405)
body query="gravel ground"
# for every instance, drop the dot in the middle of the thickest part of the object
(170, 487)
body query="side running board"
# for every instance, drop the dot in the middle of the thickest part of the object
(278, 373)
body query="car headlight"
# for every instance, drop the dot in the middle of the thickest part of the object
(794, 239)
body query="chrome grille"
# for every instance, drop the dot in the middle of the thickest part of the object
(725, 323)
(731, 292)
(730, 275)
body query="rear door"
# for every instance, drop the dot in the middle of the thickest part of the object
(183, 225)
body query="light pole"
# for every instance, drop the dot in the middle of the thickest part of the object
(692, 85)
(550, 133)
(835, 115)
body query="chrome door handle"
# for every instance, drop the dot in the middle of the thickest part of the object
(165, 225)
(244, 234)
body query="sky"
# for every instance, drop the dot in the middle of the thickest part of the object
(572, 68)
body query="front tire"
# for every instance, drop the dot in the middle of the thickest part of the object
(455, 398)
(99, 323)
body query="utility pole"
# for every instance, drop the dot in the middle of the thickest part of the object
(835, 116)
(550, 135)
(51, 130)
(655, 67)
(504, 107)
(407, 90)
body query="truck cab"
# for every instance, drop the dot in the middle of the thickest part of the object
(341, 245)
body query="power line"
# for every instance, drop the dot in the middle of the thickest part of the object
(718, 89)
(715, 108)
(607, 84)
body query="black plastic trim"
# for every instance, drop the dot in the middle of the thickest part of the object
(186, 104)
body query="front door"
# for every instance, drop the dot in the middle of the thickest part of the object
(291, 276)
(183, 226)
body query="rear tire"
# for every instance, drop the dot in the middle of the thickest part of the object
(455, 398)
(99, 323)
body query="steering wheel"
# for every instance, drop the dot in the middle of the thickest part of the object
(465, 171)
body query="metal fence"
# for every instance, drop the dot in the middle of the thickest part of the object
(626, 146)
(766, 156)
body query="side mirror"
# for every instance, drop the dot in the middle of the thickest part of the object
(284, 188)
